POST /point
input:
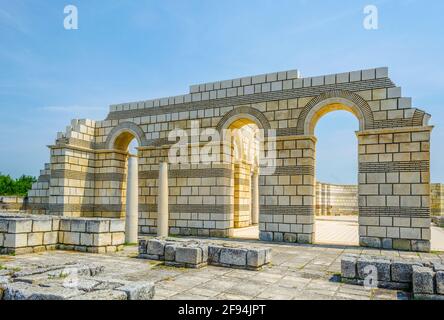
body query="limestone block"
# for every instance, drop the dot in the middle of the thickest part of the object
(117, 225)
(65, 225)
(3, 225)
(266, 236)
(102, 295)
(71, 238)
(42, 225)
(440, 282)
(102, 239)
(256, 257)
(87, 239)
(420, 245)
(170, 252)
(348, 266)
(118, 238)
(191, 255)
(97, 226)
(20, 226)
(401, 244)
(402, 271)
(78, 225)
(35, 239)
(25, 291)
(138, 290)
(423, 280)
(15, 240)
(382, 265)
(50, 237)
(370, 242)
(156, 247)
(233, 256)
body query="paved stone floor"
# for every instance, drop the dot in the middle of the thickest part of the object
(297, 272)
(340, 230)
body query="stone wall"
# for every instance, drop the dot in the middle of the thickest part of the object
(13, 203)
(31, 233)
(336, 199)
(88, 161)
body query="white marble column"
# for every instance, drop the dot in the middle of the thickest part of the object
(255, 198)
(132, 202)
(162, 201)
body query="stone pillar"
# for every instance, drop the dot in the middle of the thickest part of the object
(255, 198)
(132, 203)
(162, 201)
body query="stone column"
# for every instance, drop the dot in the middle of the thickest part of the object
(162, 201)
(255, 198)
(132, 203)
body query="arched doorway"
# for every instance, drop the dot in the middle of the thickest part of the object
(242, 133)
(336, 195)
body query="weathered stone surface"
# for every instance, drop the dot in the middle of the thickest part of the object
(23, 291)
(117, 225)
(102, 295)
(189, 255)
(214, 254)
(256, 258)
(423, 280)
(370, 242)
(402, 271)
(156, 247)
(233, 256)
(266, 236)
(421, 245)
(138, 291)
(348, 266)
(382, 266)
(170, 252)
(440, 282)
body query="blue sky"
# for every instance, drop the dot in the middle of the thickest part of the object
(134, 50)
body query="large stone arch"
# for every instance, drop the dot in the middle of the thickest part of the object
(244, 112)
(126, 128)
(334, 100)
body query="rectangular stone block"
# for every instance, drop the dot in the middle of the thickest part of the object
(97, 226)
(35, 239)
(118, 238)
(156, 247)
(423, 280)
(42, 225)
(191, 255)
(142, 246)
(117, 225)
(348, 267)
(13, 240)
(440, 282)
(102, 239)
(256, 257)
(402, 271)
(364, 265)
(20, 226)
(170, 252)
(78, 225)
(233, 256)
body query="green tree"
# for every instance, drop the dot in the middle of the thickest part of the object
(17, 187)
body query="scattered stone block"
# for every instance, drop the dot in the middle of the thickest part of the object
(402, 271)
(440, 282)
(382, 266)
(138, 290)
(191, 256)
(423, 280)
(102, 295)
(348, 266)
(233, 257)
(170, 252)
(23, 291)
(156, 247)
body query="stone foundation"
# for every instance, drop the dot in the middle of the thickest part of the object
(425, 280)
(21, 234)
(197, 254)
